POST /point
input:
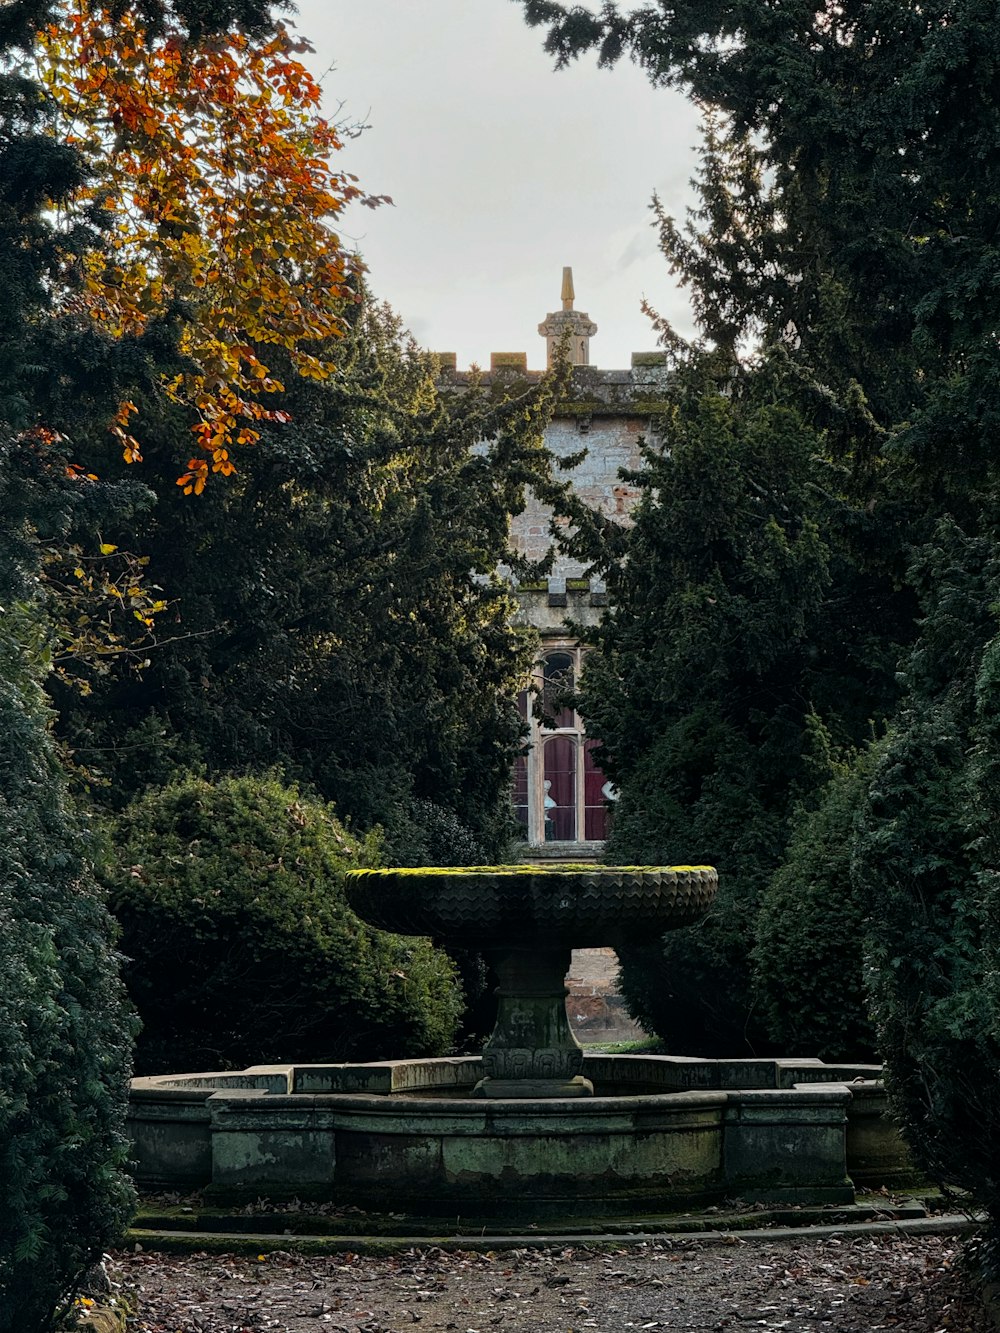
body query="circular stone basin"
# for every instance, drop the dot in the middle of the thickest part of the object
(554, 906)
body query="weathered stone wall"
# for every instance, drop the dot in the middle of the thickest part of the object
(606, 416)
(603, 422)
(611, 444)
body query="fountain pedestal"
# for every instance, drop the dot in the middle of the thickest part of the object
(532, 1051)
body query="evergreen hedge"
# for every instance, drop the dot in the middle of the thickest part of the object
(240, 946)
(809, 953)
(926, 855)
(64, 1030)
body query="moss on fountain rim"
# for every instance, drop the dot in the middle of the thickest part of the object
(526, 868)
(561, 905)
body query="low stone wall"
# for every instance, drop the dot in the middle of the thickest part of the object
(661, 1133)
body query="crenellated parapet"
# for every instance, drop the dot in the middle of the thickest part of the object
(640, 388)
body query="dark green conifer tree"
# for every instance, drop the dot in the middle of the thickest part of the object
(64, 1027)
(808, 971)
(334, 608)
(64, 1034)
(734, 665)
(859, 145)
(926, 856)
(64, 1030)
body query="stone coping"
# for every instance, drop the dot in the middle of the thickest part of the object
(654, 1077)
(709, 1230)
(519, 869)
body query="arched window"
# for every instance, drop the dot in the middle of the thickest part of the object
(559, 681)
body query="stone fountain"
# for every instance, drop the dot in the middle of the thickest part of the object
(526, 920)
(534, 1127)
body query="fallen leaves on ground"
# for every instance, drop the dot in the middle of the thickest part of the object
(860, 1285)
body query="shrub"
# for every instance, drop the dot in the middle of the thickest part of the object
(64, 1031)
(808, 956)
(241, 948)
(692, 987)
(427, 834)
(926, 853)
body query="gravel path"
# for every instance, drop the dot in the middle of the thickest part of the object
(856, 1285)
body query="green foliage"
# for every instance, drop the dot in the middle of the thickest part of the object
(926, 857)
(241, 949)
(808, 954)
(64, 1029)
(848, 189)
(362, 484)
(845, 237)
(428, 834)
(735, 659)
(334, 608)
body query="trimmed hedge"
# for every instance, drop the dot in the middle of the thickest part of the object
(64, 1031)
(926, 853)
(692, 986)
(809, 953)
(427, 834)
(240, 947)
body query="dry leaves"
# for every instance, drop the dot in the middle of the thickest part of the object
(866, 1284)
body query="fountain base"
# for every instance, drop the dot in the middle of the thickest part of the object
(659, 1134)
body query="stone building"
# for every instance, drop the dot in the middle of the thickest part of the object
(562, 800)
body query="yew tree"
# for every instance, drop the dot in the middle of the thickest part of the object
(842, 261)
(926, 858)
(334, 608)
(64, 1050)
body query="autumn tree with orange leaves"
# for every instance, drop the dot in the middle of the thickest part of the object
(214, 167)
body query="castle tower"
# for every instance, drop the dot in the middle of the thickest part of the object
(573, 325)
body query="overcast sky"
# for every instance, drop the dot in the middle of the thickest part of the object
(501, 171)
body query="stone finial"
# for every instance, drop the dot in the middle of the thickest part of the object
(572, 325)
(567, 289)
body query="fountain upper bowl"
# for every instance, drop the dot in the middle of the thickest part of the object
(552, 905)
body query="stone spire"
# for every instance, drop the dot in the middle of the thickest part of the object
(573, 325)
(567, 289)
